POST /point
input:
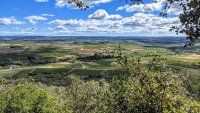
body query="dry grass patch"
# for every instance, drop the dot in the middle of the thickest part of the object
(190, 57)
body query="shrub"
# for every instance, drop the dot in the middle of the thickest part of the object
(87, 97)
(27, 98)
(143, 90)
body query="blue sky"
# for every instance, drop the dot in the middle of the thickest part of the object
(104, 17)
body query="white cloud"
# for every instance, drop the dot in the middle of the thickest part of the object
(57, 21)
(145, 19)
(143, 8)
(150, 23)
(60, 28)
(175, 9)
(51, 15)
(50, 29)
(102, 14)
(99, 14)
(34, 19)
(10, 21)
(63, 3)
(41, 0)
(151, 7)
(99, 22)
(7, 33)
(5, 21)
(31, 29)
(73, 23)
(63, 32)
(102, 22)
(113, 17)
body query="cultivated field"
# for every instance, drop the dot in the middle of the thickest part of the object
(52, 61)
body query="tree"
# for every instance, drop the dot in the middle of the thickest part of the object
(27, 98)
(190, 20)
(146, 89)
(86, 97)
(78, 3)
(1, 79)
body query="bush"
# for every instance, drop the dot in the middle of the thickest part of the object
(143, 90)
(87, 97)
(27, 98)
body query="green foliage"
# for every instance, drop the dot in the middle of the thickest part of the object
(27, 98)
(141, 86)
(1, 79)
(143, 90)
(86, 97)
(41, 60)
(191, 80)
(22, 74)
(190, 20)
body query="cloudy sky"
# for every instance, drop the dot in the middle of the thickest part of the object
(104, 17)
